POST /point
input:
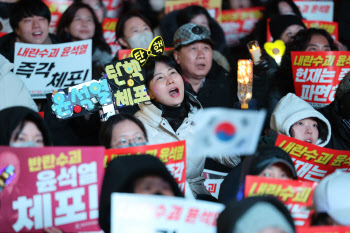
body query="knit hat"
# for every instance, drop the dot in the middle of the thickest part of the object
(189, 33)
(331, 196)
(265, 156)
(254, 214)
(279, 23)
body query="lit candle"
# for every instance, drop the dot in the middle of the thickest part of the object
(245, 82)
(254, 50)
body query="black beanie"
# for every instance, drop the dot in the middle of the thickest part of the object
(279, 23)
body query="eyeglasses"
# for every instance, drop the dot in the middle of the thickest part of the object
(127, 142)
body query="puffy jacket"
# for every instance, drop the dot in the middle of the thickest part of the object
(291, 109)
(13, 91)
(159, 130)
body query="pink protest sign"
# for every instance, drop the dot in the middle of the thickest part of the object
(53, 187)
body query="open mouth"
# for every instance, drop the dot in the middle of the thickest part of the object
(37, 33)
(308, 140)
(201, 66)
(174, 92)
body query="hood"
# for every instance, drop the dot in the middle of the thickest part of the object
(11, 117)
(253, 214)
(291, 109)
(121, 173)
(5, 66)
(232, 188)
(265, 156)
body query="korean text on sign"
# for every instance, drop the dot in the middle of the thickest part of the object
(126, 79)
(154, 213)
(317, 75)
(45, 68)
(172, 154)
(312, 162)
(55, 187)
(297, 196)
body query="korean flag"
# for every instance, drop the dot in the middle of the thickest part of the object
(222, 131)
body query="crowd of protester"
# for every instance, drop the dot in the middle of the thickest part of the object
(197, 73)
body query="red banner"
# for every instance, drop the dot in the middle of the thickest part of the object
(113, 7)
(296, 195)
(172, 154)
(312, 162)
(239, 23)
(213, 6)
(57, 7)
(53, 187)
(331, 27)
(108, 27)
(324, 229)
(317, 75)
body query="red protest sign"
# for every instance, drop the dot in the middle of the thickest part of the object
(324, 229)
(296, 195)
(53, 187)
(239, 23)
(312, 162)
(317, 75)
(56, 7)
(108, 27)
(213, 6)
(331, 27)
(113, 7)
(172, 154)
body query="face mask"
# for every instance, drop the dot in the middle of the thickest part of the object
(24, 144)
(140, 40)
(133, 144)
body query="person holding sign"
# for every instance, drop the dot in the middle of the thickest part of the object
(143, 174)
(79, 22)
(268, 161)
(170, 114)
(122, 130)
(22, 127)
(296, 118)
(30, 23)
(312, 39)
(15, 92)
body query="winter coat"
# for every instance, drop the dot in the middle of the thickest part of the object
(291, 109)
(253, 215)
(340, 139)
(232, 188)
(7, 45)
(14, 92)
(159, 131)
(11, 117)
(120, 175)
